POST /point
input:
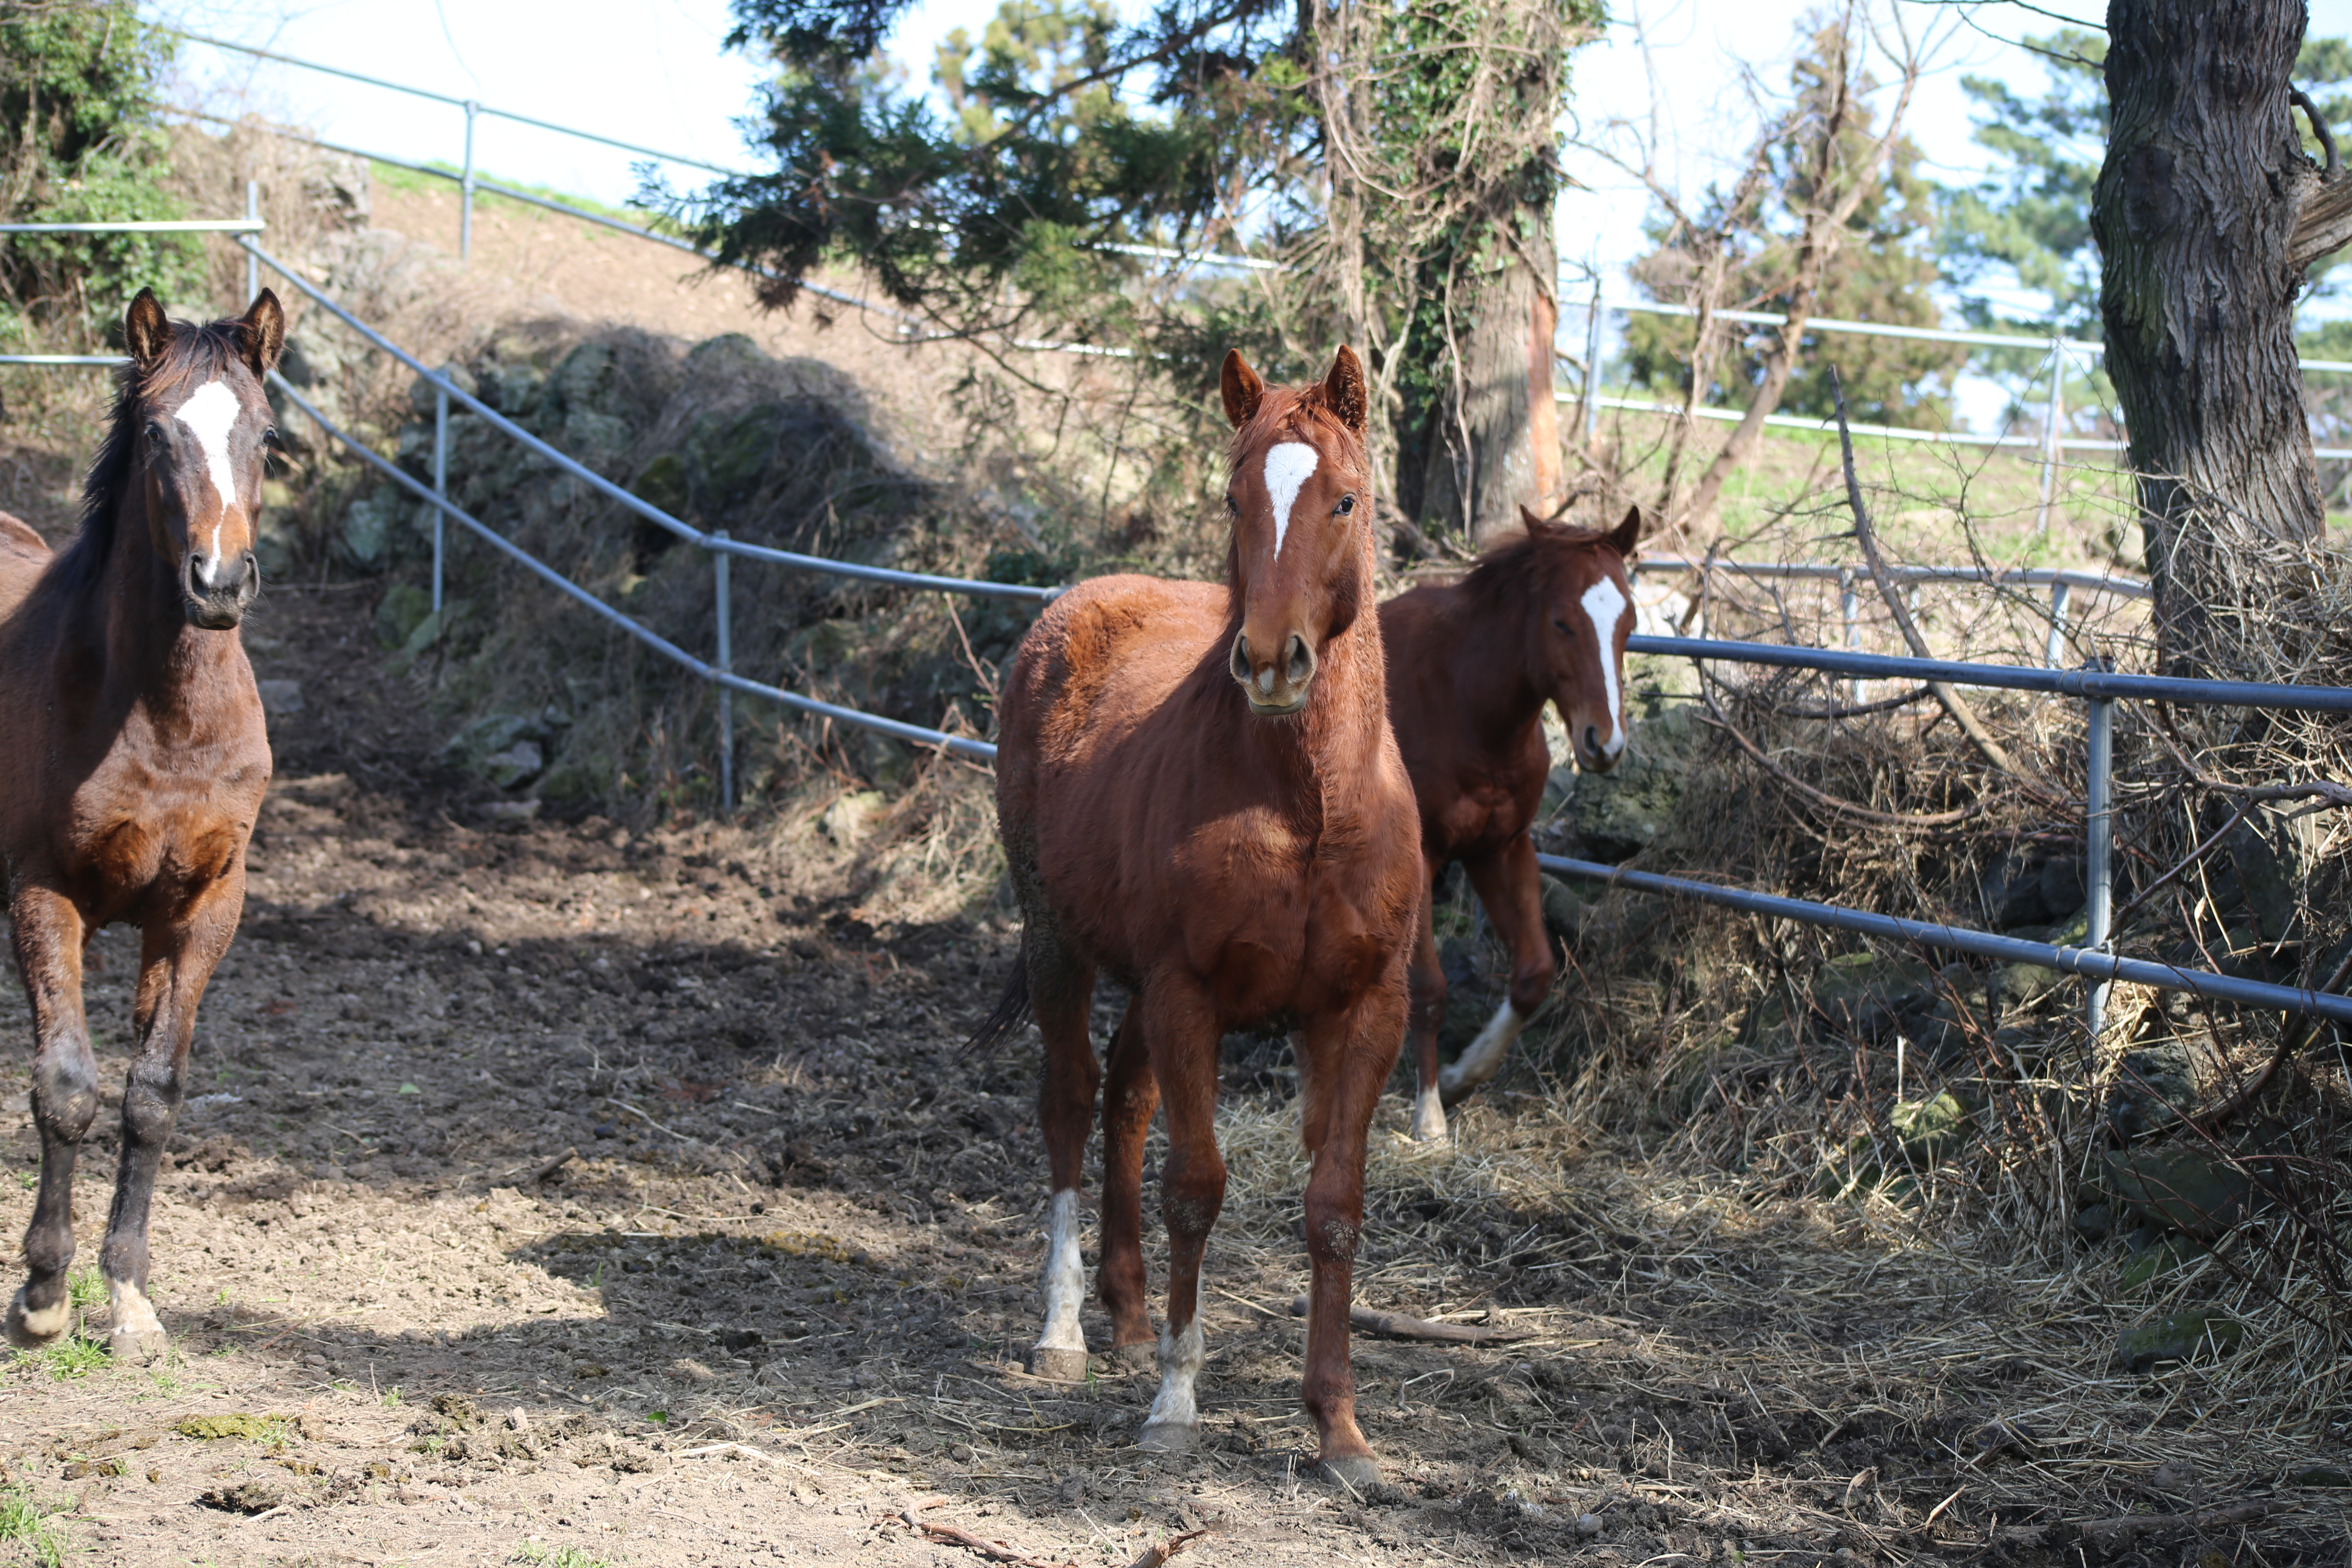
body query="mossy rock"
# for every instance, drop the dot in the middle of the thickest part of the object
(2152, 1264)
(2180, 1189)
(1867, 993)
(662, 483)
(1930, 1129)
(1624, 811)
(2178, 1336)
(398, 613)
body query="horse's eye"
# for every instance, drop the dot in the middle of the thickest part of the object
(155, 430)
(269, 437)
(1347, 504)
(1560, 626)
(1232, 507)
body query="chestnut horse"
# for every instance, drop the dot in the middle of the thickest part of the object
(1541, 618)
(133, 759)
(1201, 798)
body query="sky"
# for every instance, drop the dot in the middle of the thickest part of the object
(656, 72)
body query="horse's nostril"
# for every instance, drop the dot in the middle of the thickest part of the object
(1301, 663)
(1240, 663)
(1592, 740)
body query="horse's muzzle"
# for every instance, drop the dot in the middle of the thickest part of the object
(214, 594)
(1274, 688)
(1594, 751)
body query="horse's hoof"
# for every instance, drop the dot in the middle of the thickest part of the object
(1058, 1364)
(138, 1347)
(1353, 1472)
(29, 1330)
(1170, 1437)
(1428, 1118)
(1137, 1357)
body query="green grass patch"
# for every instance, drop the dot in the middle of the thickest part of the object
(28, 1529)
(538, 1554)
(410, 181)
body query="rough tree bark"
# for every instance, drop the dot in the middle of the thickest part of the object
(2207, 212)
(1502, 448)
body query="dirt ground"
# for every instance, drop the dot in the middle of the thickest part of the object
(566, 1194)
(556, 1188)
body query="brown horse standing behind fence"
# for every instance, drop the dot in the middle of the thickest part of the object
(133, 759)
(1541, 618)
(1200, 797)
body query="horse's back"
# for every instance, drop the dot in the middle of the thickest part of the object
(1107, 652)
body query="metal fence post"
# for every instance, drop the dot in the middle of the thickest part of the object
(2099, 823)
(2060, 593)
(725, 666)
(465, 188)
(1593, 367)
(440, 488)
(252, 262)
(2051, 447)
(1850, 608)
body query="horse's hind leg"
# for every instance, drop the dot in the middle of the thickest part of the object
(1427, 976)
(175, 962)
(1182, 1029)
(1130, 1094)
(48, 941)
(1061, 994)
(1511, 888)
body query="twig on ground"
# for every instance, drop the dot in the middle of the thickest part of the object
(1396, 1325)
(1154, 1556)
(994, 1551)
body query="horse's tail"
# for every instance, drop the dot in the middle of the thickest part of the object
(1012, 1011)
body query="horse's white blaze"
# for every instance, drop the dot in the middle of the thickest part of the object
(1287, 466)
(133, 1313)
(1181, 1356)
(1066, 1277)
(210, 414)
(1604, 604)
(1484, 1055)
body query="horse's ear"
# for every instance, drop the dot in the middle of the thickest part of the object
(264, 333)
(146, 329)
(1527, 518)
(1343, 390)
(1628, 537)
(1242, 389)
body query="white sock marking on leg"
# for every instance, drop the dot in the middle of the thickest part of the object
(1066, 1277)
(133, 1313)
(50, 1321)
(1428, 1116)
(1483, 1057)
(1181, 1360)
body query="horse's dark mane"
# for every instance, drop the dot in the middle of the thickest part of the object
(191, 351)
(1526, 562)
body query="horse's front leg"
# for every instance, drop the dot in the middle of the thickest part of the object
(1180, 1033)
(49, 933)
(1346, 1059)
(1511, 888)
(175, 962)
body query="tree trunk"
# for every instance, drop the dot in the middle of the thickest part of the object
(2197, 215)
(1494, 443)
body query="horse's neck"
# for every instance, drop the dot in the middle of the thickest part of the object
(1349, 719)
(136, 625)
(1494, 691)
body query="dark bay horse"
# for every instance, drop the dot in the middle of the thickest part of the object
(133, 761)
(1541, 618)
(1201, 798)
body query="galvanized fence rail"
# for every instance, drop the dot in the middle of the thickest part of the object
(2098, 688)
